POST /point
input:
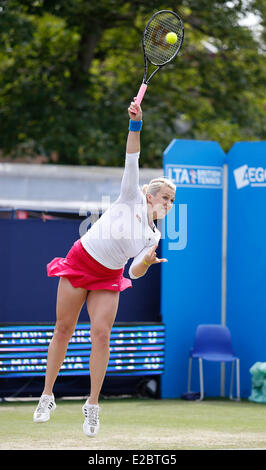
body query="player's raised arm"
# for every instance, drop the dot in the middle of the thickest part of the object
(130, 182)
(135, 126)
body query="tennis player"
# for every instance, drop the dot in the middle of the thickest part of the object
(92, 272)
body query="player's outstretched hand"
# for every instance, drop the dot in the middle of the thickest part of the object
(151, 257)
(135, 111)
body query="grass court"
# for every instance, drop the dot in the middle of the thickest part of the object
(138, 424)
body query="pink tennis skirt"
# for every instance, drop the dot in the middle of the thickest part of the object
(82, 270)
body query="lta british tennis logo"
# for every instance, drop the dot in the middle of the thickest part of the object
(195, 176)
(250, 176)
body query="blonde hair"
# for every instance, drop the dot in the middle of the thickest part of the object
(156, 184)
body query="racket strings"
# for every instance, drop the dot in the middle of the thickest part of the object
(157, 49)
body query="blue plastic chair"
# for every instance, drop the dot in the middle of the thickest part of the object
(213, 343)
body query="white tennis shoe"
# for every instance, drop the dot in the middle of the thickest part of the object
(45, 406)
(91, 423)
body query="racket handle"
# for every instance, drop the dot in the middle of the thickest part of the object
(141, 93)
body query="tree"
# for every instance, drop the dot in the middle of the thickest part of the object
(69, 69)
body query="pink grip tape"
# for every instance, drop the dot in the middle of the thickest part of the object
(141, 93)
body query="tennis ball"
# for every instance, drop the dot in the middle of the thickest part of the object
(171, 38)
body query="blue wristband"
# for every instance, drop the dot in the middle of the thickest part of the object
(135, 126)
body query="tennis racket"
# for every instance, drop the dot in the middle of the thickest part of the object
(156, 48)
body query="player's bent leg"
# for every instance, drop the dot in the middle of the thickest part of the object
(69, 304)
(102, 308)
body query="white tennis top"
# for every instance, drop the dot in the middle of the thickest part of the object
(123, 232)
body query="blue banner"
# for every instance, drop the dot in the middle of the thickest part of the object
(192, 243)
(246, 255)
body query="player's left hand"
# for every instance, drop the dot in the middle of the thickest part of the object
(151, 256)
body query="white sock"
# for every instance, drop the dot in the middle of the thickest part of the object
(88, 403)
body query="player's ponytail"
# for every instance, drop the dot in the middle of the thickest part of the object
(145, 188)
